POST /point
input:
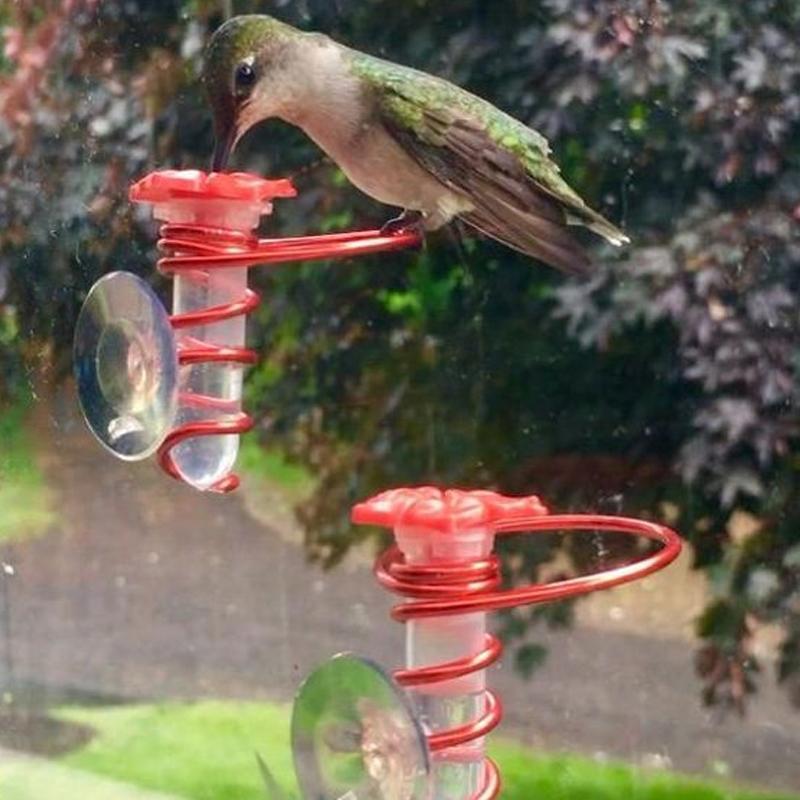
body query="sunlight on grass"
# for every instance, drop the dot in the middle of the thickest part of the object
(206, 751)
(26, 507)
(26, 779)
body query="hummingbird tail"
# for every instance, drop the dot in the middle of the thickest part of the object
(531, 234)
(601, 226)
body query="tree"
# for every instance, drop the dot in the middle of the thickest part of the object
(668, 380)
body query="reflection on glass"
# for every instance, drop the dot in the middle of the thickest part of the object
(152, 636)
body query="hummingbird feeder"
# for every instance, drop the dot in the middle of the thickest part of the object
(151, 383)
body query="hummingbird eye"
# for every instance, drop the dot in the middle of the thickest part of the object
(244, 77)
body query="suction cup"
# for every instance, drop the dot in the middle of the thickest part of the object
(126, 366)
(354, 736)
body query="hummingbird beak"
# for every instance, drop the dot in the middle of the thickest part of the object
(223, 145)
(229, 126)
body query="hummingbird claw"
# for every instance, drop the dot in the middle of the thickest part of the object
(408, 221)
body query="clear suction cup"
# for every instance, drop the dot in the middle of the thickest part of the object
(355, 737)
(126, 366)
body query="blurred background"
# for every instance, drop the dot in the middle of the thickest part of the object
(151, 637)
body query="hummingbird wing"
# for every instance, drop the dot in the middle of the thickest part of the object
(505, 205)
(501, 165)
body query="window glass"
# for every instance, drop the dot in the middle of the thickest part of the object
(598, 305)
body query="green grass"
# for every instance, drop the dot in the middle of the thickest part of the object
(26, 507)
(269, 464)
(205, 751)
(529, 775)
(26, 779)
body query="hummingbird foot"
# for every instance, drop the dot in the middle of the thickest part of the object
(408, 222)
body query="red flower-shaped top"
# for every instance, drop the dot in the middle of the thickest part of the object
(445, 511)
(187, 184)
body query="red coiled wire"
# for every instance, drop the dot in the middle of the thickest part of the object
(195, 250)
(466, 587)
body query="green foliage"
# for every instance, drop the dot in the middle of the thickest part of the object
(529, 657)
(207, 751)
(425, 296)
(670, 375)
(272, 465)
(11, 369)
(26, 507)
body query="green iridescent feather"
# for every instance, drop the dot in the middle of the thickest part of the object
(429, 108)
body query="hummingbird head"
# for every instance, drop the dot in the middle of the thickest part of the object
(246, 77)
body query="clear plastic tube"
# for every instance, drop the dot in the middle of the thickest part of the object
(458, 773)
(209, 391)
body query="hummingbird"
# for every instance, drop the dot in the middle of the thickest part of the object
(404, 137)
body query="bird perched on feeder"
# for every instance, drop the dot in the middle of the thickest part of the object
(402, 136)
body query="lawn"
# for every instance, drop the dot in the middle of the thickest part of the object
(205, 751)
(270, 465)
(26, 779)
(25, 504)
